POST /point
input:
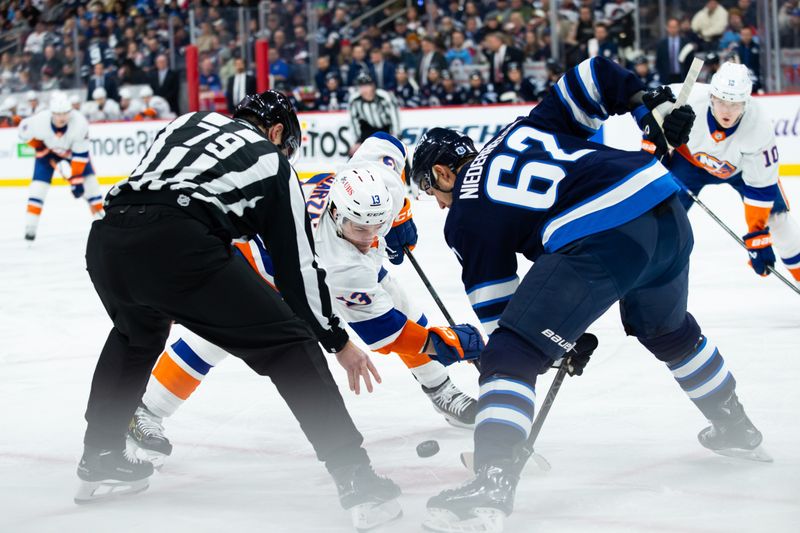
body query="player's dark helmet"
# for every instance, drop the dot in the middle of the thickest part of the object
(443, 147)
(270, 108)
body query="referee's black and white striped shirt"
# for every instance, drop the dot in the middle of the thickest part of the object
(230, 168)
(379, 114)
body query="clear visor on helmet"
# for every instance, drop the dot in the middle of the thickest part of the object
(724, 109)
(362, 236)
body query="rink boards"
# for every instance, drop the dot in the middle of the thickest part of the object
(117, 147)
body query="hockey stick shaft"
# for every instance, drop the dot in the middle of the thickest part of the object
(434, 295)
(735, 237)
(686, 89)
(428, 286)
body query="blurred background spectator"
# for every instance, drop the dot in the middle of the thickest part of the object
(429, 52)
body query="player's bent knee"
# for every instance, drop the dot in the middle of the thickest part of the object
(677, 343)
(508, 354)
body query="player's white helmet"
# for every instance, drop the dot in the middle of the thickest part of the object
(31, 95)
(99, 94)
(145, 91)
(360, 196)
(125, 93)
(59, 103)
(732, 83)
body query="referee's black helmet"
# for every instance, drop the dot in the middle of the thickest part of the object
(270, 108)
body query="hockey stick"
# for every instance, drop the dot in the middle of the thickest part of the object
(686, 90)
(735, 237)
(434, 295)
(589, 344)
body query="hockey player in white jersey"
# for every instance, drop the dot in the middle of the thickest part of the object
(351, 213)
(59, 134)
(733, 142)
(101, 107)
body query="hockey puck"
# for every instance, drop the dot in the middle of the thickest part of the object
(427, 448)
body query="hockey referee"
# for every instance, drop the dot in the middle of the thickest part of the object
(163, 253)
(373, 110)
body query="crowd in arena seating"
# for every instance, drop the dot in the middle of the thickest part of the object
(443, 52)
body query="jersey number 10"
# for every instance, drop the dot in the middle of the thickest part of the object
(536, 186)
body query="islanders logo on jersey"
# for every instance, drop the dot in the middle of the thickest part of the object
(721, 169)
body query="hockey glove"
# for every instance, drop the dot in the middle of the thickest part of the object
(76, 184)
(459, 343)
(675, 128)
(403, 233)
(579, 355)
(759, 248)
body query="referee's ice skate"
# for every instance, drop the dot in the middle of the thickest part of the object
(370, 498)
(107, 474)
(146, 433)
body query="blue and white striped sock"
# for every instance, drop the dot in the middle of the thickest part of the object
(704, 377)
(505, 417)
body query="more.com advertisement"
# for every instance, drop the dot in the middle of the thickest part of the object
(117, 147)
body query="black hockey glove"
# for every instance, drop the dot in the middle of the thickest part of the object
(579, 355)
(675, 128)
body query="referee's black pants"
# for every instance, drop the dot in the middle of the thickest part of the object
(152, 265)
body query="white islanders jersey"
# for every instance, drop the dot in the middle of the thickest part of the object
(74, 140)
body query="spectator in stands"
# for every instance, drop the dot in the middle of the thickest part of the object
(324, 68)
(35, 40)
(332, 96)
(458, 53)
(673, 58)
(357, 65)
(500, 56)
(205, 40)
(431, 58)
(407, 90)
(479, 93)
(412, 54)
(164, 83)
(239, 85)
(578, 39)
(747, 9)
(790, 33)
(730, 37)
(209, 79)
(23, 81)
(517, 88)
(52, 60)
(710, 22)
(383, 70)
(278, 68)
(748, 53)
(102, 79)
(601, 44)
(428, 92)
(447, 92)
(641, 66)
(49, 81)
(688, 34)
(554, 72)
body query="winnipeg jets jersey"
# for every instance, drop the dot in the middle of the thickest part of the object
(370, 301)
(540, 185)
(74, 140)
(747, 149)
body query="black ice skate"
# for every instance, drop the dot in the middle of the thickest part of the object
(458, 409)
(30, 234)
(110, 473)
(370, 498)
(734, 435)
(146, 433)
(478, 506)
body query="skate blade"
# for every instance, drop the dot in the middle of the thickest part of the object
(758, 454)
(156, 458)
(458, 424)
(97, 491)
(484, 520)
(367, 516)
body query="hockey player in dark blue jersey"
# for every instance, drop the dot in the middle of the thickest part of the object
(601, 225)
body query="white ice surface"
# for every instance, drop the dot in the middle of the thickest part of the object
(621, 438)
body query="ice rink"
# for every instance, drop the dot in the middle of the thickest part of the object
(621, 439)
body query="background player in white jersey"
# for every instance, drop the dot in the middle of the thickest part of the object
(733, 142)
(101, 107)
(59, 134)
(351, 213)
